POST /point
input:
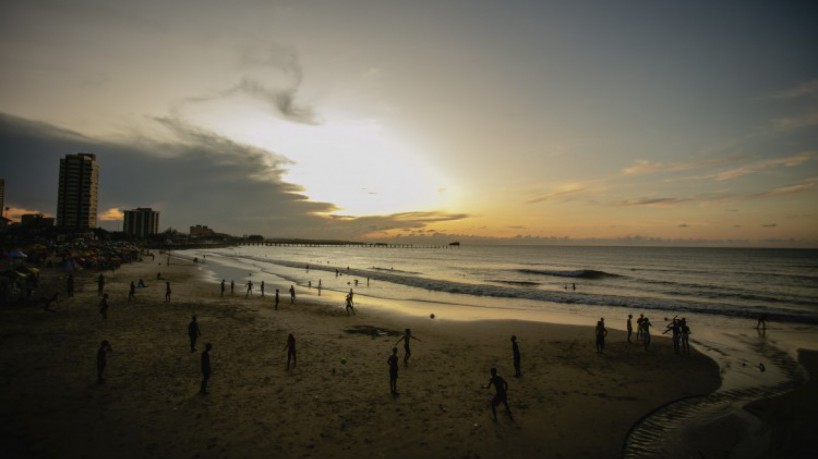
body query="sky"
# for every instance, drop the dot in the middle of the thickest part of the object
(499, 122)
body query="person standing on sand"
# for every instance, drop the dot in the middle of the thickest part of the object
(407, 336)
(262, 288)
(205, 368)
(646, 332)
(319, 287)
(500, 396)
(100, 284)
(232, 286)
(292, 294)
(276, 300)
(762, 322)
(601, 333)
(167, 291)
(132, 292)
(193, 332)
(685, 330)
(290, 348)
(222, 287)
(249, 288)
(515, 351)
(392, 361)
(630, 327)
(102, 359)
(639, 330)
(103, 306)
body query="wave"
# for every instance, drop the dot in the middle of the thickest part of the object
(524, 292)
(577, 274)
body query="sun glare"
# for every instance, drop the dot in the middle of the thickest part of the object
(355, 164)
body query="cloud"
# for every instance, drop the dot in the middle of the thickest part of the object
(199, 178)
(805, 90)
(643, 167)
(769, 225)
(112, 215)
(653, 202)
(14, 213)
(795, 122)
(684, 225)
(767, 164)
(562, 191)
(801, 187)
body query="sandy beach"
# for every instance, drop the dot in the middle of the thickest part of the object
(569, 402)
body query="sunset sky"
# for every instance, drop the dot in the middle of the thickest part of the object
(516, 120)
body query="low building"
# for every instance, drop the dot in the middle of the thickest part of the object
(141, 222)
(201, 231)
(36, 221)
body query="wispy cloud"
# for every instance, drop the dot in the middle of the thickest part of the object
(808, 89)
(769, 225)
(643, 167)
(764, 165)
(562, 191)
(652, 202)
(801, 187)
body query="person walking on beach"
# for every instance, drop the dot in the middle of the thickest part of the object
(262, 288)
(249, 288)
(167, 291)
(292, 294)
(407, 336)
(222, 287)
(639, 330)
(205, 368)
(232, 286)
(132, 292)
(601, 333)
(515, 351)
(276, 300)
(501, 394)
(319, 287)
(392, 361)
(762, 322)
(100, 284)
(646, 332)
(193, 332)
(630, 327)
(103, 306)
(350, 308)
(290, 348)
(102, 360)
(69, 285)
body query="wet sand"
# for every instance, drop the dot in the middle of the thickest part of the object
(569, 402)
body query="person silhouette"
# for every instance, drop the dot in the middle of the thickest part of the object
(501, 394)
(290, 347)
(630, 327)
(407, 336)
(100, 284)
(515, 350)
(276, 300)
(205, 368)
(292, 294)
(350, 308)
(249, 288)
(601, 333)
(222, 287)
(132, 292)
(102, 360)
(262, 288)
(167, 292)
(392, 361)
(103, 306)
(232, 286)
(193, 332)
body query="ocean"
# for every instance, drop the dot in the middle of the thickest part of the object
(727, 282)
(719, 291)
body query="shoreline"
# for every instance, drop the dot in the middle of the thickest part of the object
(570, 401)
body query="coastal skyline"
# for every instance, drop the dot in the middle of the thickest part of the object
(553, 122)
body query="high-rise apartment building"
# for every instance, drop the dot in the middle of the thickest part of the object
(2, 197)
(141, 222)
(77, 198)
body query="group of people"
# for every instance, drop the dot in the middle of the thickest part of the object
(249, 291)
